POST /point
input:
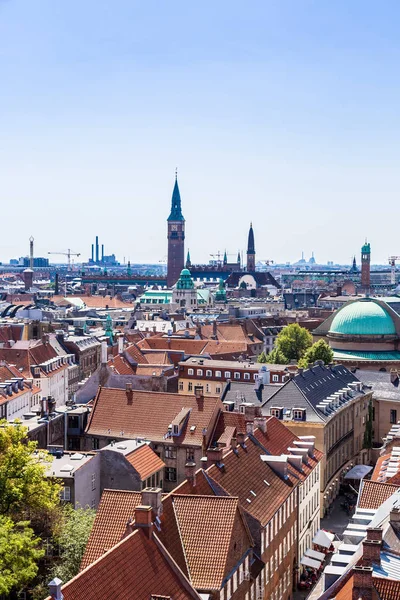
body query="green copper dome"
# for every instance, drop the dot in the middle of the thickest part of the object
(185, 281)
(363, 317)
(366, 249)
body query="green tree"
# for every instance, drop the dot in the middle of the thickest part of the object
(262, 358)
(293, 341)
(25, 491)
(276, 357)
(318, 351)
(19, 554)
(76, 526)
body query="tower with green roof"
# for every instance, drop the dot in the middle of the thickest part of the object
(185, 294)
(176, 237)
(220, 294)
(366, 267)
(108, 329)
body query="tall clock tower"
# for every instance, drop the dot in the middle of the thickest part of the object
(176, 238)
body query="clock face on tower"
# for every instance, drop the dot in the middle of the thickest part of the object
(174, 227)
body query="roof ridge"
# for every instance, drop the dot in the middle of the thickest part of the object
(181, 540)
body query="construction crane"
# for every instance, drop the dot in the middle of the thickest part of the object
(392, 263)
(68, 254)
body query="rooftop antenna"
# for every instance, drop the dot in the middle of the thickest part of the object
(176, 173)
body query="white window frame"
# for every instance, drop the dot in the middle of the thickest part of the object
(246, 376)
(199, 372)
(227, 375)
(275, 378)
(208, 373)
(236, 375)
(190, 371)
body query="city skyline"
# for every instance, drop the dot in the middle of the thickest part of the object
(281, 114)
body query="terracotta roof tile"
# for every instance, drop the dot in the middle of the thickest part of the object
(376, 473)
(388, 589)
(195, 347)
(374, 493)
(206, 526)
(136, 354)
(243, 472)
(148, 415)
(137, 568)
(115, 509)
(120, 365)
(145, 461)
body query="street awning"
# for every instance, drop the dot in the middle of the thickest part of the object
(323, 538)
(315, 554)
(358, 472)
(310, 562)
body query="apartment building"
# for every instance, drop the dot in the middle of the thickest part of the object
(179, 427)
(17, 394)
(212, 375)
(331, 404)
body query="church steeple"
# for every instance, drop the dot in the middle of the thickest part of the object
(225, 258)
(176, 209)
(251, 251)
(188, 261)
(238, 258)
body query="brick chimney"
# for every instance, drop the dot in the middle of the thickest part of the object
(143, 519)
(261, 423)
(362, 583)
(129, 393)
(233, 443)
(372, 552)
(240, 438)
(151, 496)
(190, 472)
(395, 515)
(374, 534)
(250, 427)
(214, 456)
(198, 392)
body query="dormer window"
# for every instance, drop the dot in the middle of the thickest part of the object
(299, 414)
(276, 411)
(247, 376)
(236, 375)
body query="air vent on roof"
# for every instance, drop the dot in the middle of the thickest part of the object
(121, 446)
(76, 456)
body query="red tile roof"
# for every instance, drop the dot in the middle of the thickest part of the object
(374, 493)
(136, 354)
(26, 354)
(244, 472)
(137, 567)
(120, 365)
(145, 461)
(206, 526)
(388, 589)
(379, 467)
(148, 415)
(164, 343)
(115, 509)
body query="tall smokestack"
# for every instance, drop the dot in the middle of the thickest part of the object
(97, 248)
(92, 252)
(56, 286)
(31, 240)
(102, 253)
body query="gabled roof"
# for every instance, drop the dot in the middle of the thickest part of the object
(116, 508)
(165, 343)
(374, 493)
(147, 415)
(120, 365)
(312, 386)
(145, 461)
(137, 567)
(259, 489)
(207, 526)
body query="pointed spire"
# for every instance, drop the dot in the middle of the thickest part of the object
(188, 262)
(225, 258)
(250, 242)
(239, 260)
(176, 210)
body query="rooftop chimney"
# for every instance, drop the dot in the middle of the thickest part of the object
(372, 552)
(214, 456)
(250, 427)
(151, 496)
(374, 533)
(261, 423)
(198, 392)
(55, 589)
(240, 438)
(120, 344)
(395, 515)
(143, 519)
(190, 472)
(362, 583)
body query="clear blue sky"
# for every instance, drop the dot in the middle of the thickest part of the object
(281, 112)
